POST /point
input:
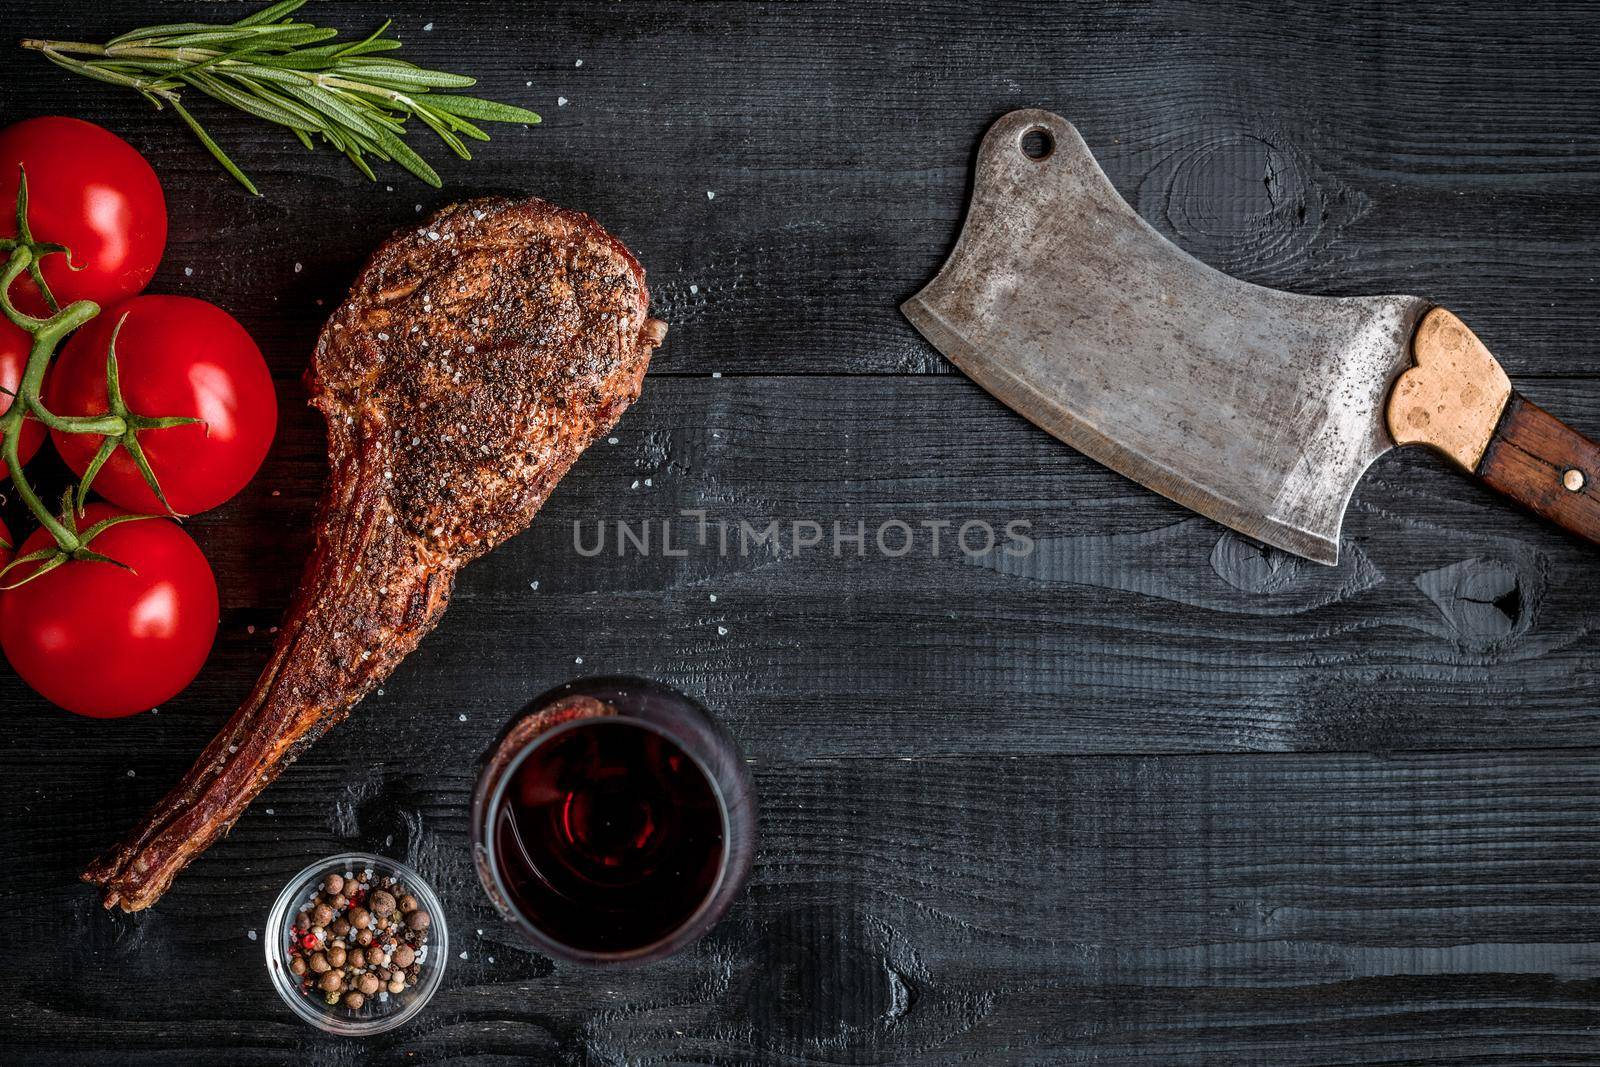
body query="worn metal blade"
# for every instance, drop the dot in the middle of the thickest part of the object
(1257, 408)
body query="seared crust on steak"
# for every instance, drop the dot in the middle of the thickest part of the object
(476, 357)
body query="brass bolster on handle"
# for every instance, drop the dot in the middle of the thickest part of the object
(1452, 399)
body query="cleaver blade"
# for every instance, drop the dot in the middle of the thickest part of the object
(1257, 408)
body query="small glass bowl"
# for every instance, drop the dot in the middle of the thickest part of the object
(376, 1016)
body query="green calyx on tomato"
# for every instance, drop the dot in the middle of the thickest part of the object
(129, 437)
(108, 641)
(51, 556)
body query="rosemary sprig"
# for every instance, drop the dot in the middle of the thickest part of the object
(296, 75)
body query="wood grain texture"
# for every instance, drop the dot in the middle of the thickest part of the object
(1280, 909)
(1321, 147)
(1150, 794)
(1546, 465)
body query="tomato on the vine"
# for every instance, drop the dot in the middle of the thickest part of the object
(176, 356)
(14, 345)
(91, 191)
(108, 641)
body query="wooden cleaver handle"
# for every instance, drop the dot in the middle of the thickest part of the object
(1545, 465)
(1459, 401)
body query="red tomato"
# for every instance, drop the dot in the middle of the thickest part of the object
(92, 191)
(175, 356)
(5, 540)
(14, 345)
(104, 641)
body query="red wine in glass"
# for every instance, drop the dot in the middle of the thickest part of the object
(613, 821)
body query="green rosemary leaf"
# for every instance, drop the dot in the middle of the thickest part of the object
(361, 163)
(382, 44)
(484, 110)
(446, 134)
(404, 74)
(454, 122)
(355, 96)
(326, 103)
(216, 149)
(408, 159)
(376, 34)
(145, 33)
(272, 13)
(255, 105)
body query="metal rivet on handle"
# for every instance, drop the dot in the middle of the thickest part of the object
(1572, 479)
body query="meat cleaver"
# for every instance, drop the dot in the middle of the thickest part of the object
(1257, 408)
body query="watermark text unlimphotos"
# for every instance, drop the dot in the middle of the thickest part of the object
(695, 530)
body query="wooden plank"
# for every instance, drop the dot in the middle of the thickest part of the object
(1277, 909)
(1454, 620)
(1317, 146)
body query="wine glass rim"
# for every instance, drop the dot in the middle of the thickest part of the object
(664, 944)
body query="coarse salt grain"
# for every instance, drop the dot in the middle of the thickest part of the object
(298, 267)
(611, 440)
(188, 272)
(710, 195)
(694, 290)
(561, 101)
(579, 63)
(251, 935)
(713, 598)
(722, 631)
(130, 774)
(578, 660)
(461, 718)
(428, 28)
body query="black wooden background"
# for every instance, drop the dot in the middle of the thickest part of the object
(1163, 797)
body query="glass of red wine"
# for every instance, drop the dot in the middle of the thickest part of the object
(613, 821)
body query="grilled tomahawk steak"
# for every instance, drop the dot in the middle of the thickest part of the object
(476, 357)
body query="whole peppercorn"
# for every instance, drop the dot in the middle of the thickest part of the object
(409, 904)
(302, 921)
(396, 985)
(297, 966)
(322, 914)
(354, 1000)
(319, 962)
(382, 902)
(403, 955)
(340, 927)
(336, 955)
(331, 982)
(369, 984)
(358, 917)
(419, 920)
(333, 883)
(357, 958)
(363, 937)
